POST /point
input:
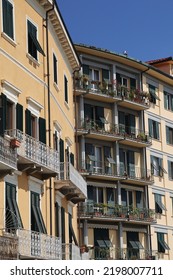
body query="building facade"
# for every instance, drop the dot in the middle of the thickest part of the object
(117, 102)
(40, 185)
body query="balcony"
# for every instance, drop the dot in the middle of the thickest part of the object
(110, 92)
(135, 137)
(8, 157)
(70, 183)
(109, 170)
(111, 253)
(34, 157)
(106, 212)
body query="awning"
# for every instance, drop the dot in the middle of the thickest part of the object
(136, 244)
(153, 94)
(111, 160)
(164, 244)
(92, 158)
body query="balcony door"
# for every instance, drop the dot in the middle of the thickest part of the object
(127, 163)
(127, 123)
(94, 77)
(98, 162)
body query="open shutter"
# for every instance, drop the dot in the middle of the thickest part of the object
(3, 110)
(19, 117)
(42, 130)
(32, 33)
(28, 122)
(61, 149)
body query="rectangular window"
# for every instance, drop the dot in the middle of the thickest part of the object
(8, 27)
(159, 205)
(162, 245)
(168, 101)
(153, 95)
(12, 215)
(170, 170)
(169, 135)
(9, 115)
(37, 222)
(154, 129)
(33, 44)
(55, 73)
(66, 89)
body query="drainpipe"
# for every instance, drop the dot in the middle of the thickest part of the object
(48, 91)
(149, 227)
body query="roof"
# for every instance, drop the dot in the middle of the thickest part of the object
(160, 60)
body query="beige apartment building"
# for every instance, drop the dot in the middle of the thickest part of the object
(124, 136)
(39, 183)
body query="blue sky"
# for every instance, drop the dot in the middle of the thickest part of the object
(144, 28)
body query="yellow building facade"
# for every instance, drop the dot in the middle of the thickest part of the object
(39, 185)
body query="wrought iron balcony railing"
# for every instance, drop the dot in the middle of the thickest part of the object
(8, 156)
(35, 151)
(131, 172)
(100, 211)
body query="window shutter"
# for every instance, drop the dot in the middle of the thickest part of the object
(157, 130)
(167, 135)
(19, 116)
(105, 74)
(8, 18)
(55, 68)
(150, 127)
(3, 109)
(66, 89)
(55, 137)
(63, 225)
(107, 152)
(42, 130)
(86, 69)
(171, 100)
(132, 83)
(88, 111)
(89, 149)
(131, 120)
(118, 78)
(169, 170)
(61, 148)
(57, 219)
(165, 100)
(72, 158)
(28, 122)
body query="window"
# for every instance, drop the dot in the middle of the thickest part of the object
(33, 44)
(95, 194)
(169, 135)
(162, 245)
(153, 129)
(153, 95)
(156, 166)
(55, 74)
(66, 89)
(159, 206)
(37, 222)
(35, 127)
(7, 8)
(170, 170)
(13, 218)
(72, 236)
(168, 101)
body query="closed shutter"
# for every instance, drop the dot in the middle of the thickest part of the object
(167, 135)
(63, 225)
(131, 122)
(86, 69)
(72, 158)
(8, 18)
(55, 68)
(61, 148)
(132, 83)
(121, 121)
(57, 219)
(3, 110)
(88, 111)
(150, 127)
(66, 89)
(131, 163)
(28, 122)
(118, 78)
(89, 149)
(165, 100)
(105, 74)
(19, 117)
(42, 130)
(107, 152)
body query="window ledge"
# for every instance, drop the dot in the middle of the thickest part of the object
(66, 104)
(56, 86)
(10, 40)
(32, 59)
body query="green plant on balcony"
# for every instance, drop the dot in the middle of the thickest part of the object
(85, 80)
(142, 136)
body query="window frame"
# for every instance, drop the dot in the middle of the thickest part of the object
(66, 89)
(154, 129)
(55, 69)
(167, 102)
(169, 130)
(161, 243)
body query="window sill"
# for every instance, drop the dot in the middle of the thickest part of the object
(66, 104)
(32, 59)
(10, 40)
(56, 86)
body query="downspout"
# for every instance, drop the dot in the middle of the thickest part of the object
(48, 91)
(149, 227)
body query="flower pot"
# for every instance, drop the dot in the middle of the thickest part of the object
(15, 143)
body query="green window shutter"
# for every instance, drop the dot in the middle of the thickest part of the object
(55, 68)
(61, 148)
(171, 100)
(19, 116)
(105, 74)
(72, 158)
(118, 78)
(86, 70)
(63, 225)
(165, 100)
(33, 44)
(55, 141)
(28, 122)
(132, 123)
(169, 170)
(3, 110)
(66, 89)
(157, 130)
(42, 130)
(57, 219)
(150, 125)
(132, 83)
(167, 135)
(37, 222)
(8, 18)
